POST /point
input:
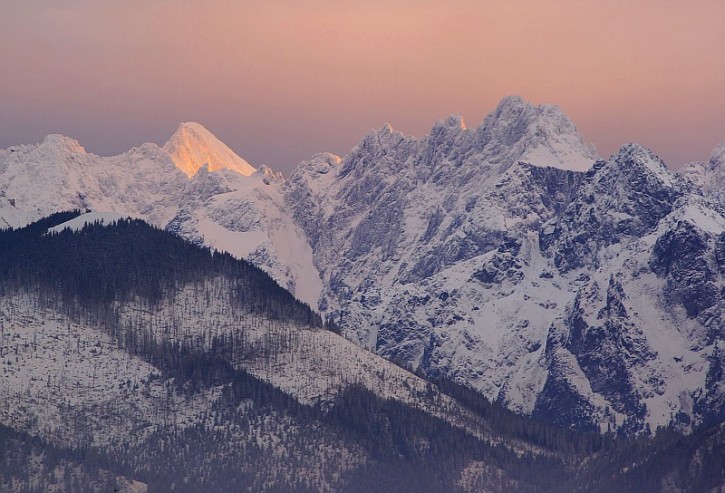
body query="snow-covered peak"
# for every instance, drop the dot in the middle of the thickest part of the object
(382, 136)
(696, 173)
(620, 199)
(633, 158)
(717, 157)
(697, 211)
(192, 146)
(516, 131)
(382, 150)
(453, 122)
(512, 105)
(61, 142)
(709, 176)
(321, 163)
(633, 180)
(449, 129)
(269, 175)
(387, 128)
(314, 176)
(541, 135)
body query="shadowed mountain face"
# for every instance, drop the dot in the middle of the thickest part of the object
(505, 257)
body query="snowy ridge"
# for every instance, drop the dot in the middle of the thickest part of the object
(59, 175)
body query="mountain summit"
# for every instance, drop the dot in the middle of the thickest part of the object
(542, 135)
(192, 146)
(710, 175)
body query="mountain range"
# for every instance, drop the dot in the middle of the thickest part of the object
(508, 258)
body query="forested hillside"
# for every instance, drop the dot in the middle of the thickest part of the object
(133, 360)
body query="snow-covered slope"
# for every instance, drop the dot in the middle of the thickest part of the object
(638, 253)
(52, 364)
(247, 217)
(542, 135)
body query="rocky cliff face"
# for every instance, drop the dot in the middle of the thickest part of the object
(424, 244)
(581, 297)
(636, 341)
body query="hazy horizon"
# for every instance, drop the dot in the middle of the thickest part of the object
(279, 81)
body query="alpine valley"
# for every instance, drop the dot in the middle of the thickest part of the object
(484, 309)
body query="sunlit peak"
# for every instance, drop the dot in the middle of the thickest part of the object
(193, 146)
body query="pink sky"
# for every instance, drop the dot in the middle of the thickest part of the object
(279, 80)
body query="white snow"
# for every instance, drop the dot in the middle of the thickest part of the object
(540, 135)
(80, 222)
(239, 244)
(709, 176)
(649, 160)
(705, 218)
(252, 221)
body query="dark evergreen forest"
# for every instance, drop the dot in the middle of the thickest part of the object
(100, 264)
